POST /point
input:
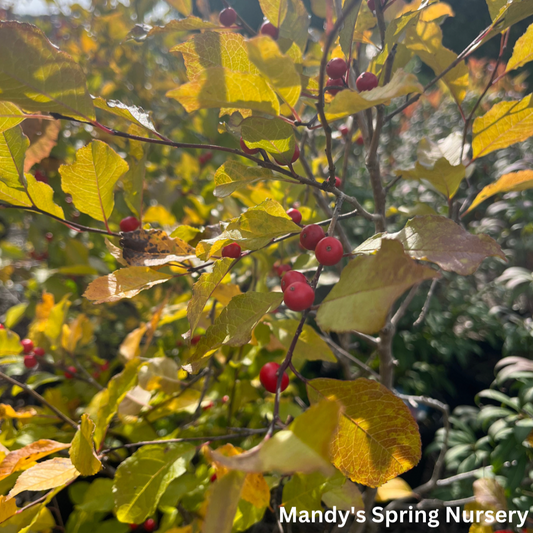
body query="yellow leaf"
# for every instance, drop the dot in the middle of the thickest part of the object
(277, 68)
(13, 146)
(444, 177)
(225, 292)
(36, 76)
(79, 331)
(82, 451)
(22, 458)
(190, 23)
(160, 373)
(123, 283)
(377, 438)
(349, 102)
(515, 181)
(8, 507)
(523, 51)
(9, 343)
(274, 10)
(43, 196)
(45, 476)
(129, 349)
(7, 412)
(505, 124)
(10, 116)
(395, 489)
(271, 134)
(160, 215)
(13, 196)
(219, 87)
(91, 179)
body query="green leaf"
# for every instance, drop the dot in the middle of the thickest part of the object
(233, 175)
(142, 478)
(505, 124)
(99, 497)
(278, 69)
(515, 181)
(13, 146)
(347, 30)
(304, 491)
(108, 400)
(10, 116)
(509, 14)
(274, 10)
(37, 77)
(133, 114)
(133, 180)
(377, 438)
(9, 343)
(372, 283)
(223, 502)
(443, 176)
(295, 27)
(345, 497)
(219, 87)
(191, 23)
(271, 134)
(349, 102)
(91, 179)
(203, 289)
(14, 314)
(440, 240)
(82, 451)
(302, 448)
(252, 230)
(234, 326)
(185, 7)
(495, 6)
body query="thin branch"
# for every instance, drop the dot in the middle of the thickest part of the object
(348, 355)
(404, 306)
(427, 303)
(465, 475)
(40, 399)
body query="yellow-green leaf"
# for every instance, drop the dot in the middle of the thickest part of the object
(45, 476)
(295, 27)
(108, 400)
(234, 326)
(10, 116)
(252, 230)
(440, 240)
(394, 489)
(43, 196)
(347, 29)
(515, 181)
(505, 124)
(134, 114)
(13, 146)
(278, 69)
(495, 7)
(219, 87)
(271, 134)
(9, 343)
(191, 23)
(233, 175)
(22, 458)
(303, 448)
(123, 283)
(349, 102)
(377, 438)
(372, 283)
(142, 478)
(274, 10)
(523, 51)
(36, 76)
(82, 451)
(91, 179)
(185, 7)
(443, 176)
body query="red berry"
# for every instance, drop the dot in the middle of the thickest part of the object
(129, 224)
(295, 157)
(49, 236)
(246, 150)
(299, 296)
(228, 17)
(280, 269)
(104, 366)
(231, 250)
(366, 82)
(208, 406)
(329, 251)
(334, 83)
(295, 215)
(336, 68)
(133, 527)
(213, 478)
(360, 141)
(338, 182)
(27, 345)
(96, 375)
(344, 130)
(71, 370)
(269, 378)
(38, 351)
(292, 277)
(225, 398)
(2, 326)
(267, 28)
(30, 361)
(196, 339)
(311, 235)
(205, 158)
(40, 176)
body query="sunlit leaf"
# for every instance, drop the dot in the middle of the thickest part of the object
(372, 283)
(273, 135)
(443, 176)
(274, 10)
(142, 478)
(42, 196)
(394, 489)
(9, 343)
(132, 113)
(490, 494)
(161, 373)
(377, 438)
(13, 146)
(233, 175)
(10, 116)
(8, 507)
(38, 77)
(82, 451)
(130, 346)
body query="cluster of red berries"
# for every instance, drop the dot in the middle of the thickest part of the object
(336, 70)
(31, 352)
(149, 525)
(228, 17)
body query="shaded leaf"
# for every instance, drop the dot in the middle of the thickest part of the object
(490, 494)
(8, 507)
(443, 176)
(347, 30)
(505, 124)
(349, 102)
(295, 27)
(187, 24)
(377, 438)
(160, 373)
(274, 10)
(273, 135)
(185, 7)
(10, 116)
(36, 76)
(13, 146)
(234, 326)
(495, 7)
(372, 283)
(123, 283)
(145, 248)
(515, 181)
(82, 451)
(233, 175)
(42, 142)
(142, 478)
(47, 475)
